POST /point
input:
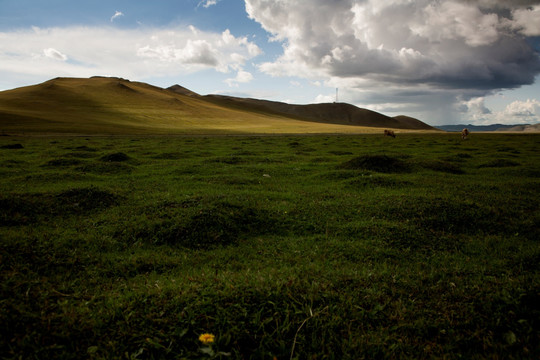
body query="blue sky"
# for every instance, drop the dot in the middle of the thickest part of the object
(442, 61)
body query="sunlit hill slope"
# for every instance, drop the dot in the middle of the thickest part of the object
(102, 105)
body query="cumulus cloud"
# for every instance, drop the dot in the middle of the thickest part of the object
(517, 112)
(449, 49)
(527, 21)
(529, 109)
(132, 53)
(241, 77)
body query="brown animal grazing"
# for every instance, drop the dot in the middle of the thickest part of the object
(464, 133)
(389, 133)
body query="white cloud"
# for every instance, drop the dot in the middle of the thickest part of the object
(196, 52)
(136, 54)
(241, 77)
(527, 20)
(529, 109)
(517, 112)
(475, 110)
(457, 21)
(207, 3)
(116, 15)
(324, 98)
(54, 54)
(424, 52)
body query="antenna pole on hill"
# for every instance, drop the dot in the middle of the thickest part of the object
(336, 95)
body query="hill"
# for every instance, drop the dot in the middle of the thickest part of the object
(459, 127)
(332, 113)
(104, 105)
(524, 128)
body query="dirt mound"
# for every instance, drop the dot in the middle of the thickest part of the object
(378, 163)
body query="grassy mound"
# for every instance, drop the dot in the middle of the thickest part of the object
(106, 168)
(378, 163)
(12, 146)
(442, 166)
(210, 226)
(499, 163)
(62, 163)
(377, 181)
(30, 208)
(115, 157)
(85, 200)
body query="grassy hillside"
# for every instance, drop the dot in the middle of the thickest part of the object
(116, 106)
(524, 128)
(332, 113)
(302, 247)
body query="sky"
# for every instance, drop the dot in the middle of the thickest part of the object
(441, 61)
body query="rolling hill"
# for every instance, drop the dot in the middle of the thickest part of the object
(103, 105)
(524, 128)
(474, 128)
(329, 113)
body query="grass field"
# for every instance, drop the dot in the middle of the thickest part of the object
(302, 247)
(113, 106)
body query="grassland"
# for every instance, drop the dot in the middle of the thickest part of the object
(113, 106)
(304, 247)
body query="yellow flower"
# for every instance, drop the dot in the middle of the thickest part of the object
(206, 338)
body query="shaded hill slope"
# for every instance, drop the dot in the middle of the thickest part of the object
(333, 113)
(101, 105)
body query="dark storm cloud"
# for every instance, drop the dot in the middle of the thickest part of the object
(445, 43)
(458, 49)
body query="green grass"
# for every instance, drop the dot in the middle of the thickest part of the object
(319, 247)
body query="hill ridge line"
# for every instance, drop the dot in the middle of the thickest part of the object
(116, 105)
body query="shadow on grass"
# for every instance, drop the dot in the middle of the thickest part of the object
(378, 163)
(204, 227)
(30, 208)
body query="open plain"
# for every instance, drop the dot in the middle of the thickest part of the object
(282, 247)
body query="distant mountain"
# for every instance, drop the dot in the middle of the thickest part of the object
(104, 105)
(525, 128)
(494, 127)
